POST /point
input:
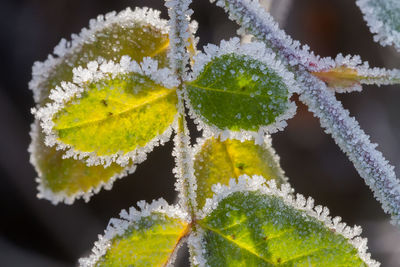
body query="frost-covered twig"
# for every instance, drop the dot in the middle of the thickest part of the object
(370, 164)
(179, 14)
(348, 73)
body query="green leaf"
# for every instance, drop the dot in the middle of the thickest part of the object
(138, 34)
(67, 179)
(266, 227)
(235, 90)
(114, 116)
(146, 238)
(383, 19)
(218, 162)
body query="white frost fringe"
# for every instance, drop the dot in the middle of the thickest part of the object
(384, 34)
(127, 17)
(57, 197)
(94, 72)
(366, 74)
(371, 165)
(257, 183)
(256, 51)
(117, 227)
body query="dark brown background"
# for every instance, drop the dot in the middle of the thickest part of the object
(35, 233)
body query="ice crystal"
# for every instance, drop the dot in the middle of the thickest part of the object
(266, 57)
(117, 227)
(383, 19)
(61, 196)
(347, 73)
(371, 165)
(96, 71)
(254, 20)
(186, 182)
(126, 18)
(180, 33)
(257, 183)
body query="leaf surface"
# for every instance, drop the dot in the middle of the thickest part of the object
(128, 33)
(149, 242)
(139, 34)
(66, 179)
(256, 229)
(236, 92)
(146, 237)
(218, 162)
(117, 115)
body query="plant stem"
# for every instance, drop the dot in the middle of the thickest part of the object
(345, 130)
(179, 13)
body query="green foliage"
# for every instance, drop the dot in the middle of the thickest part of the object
(116, 115)
(236, 92)
(108, 113)
(255, 229)
(218, 162)
(67, 177)
(137, 40)
(149, 242)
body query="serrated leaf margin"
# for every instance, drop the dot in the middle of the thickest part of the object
(62, 196)
(96, 71)
(257, 51)
(41, 70)
(118, 226)
(257, 183)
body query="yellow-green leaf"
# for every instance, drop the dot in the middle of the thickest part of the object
(67, 179)
(146, 238)
(251, 224)
(218, 162)
(138, 34)
(240, 89)
(116, 116)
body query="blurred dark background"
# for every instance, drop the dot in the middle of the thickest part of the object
(33, 232)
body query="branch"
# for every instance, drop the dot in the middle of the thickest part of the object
(370, 164)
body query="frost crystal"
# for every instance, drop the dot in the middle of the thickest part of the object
(97, 71)
(119, 226)
(383, 19)
(257, 183)
(253, 19)
(57, 197)
(352, 72)
(186, 182)
(371, 165)
(256, 51)
(180, 33)
(126, 18)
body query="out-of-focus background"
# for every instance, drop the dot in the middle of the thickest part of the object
(33, 232)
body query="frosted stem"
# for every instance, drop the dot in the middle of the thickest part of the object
(179, 13)
(345, 130)
(371, 165)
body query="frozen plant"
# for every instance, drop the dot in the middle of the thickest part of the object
(121, 87)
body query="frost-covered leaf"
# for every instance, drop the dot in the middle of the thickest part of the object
(348, 73)
(240, 88)
(149, 237)
(138, 34)
(218, 162)
(68, 179)
(383, 19)
(112, 111)
(252, 224)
